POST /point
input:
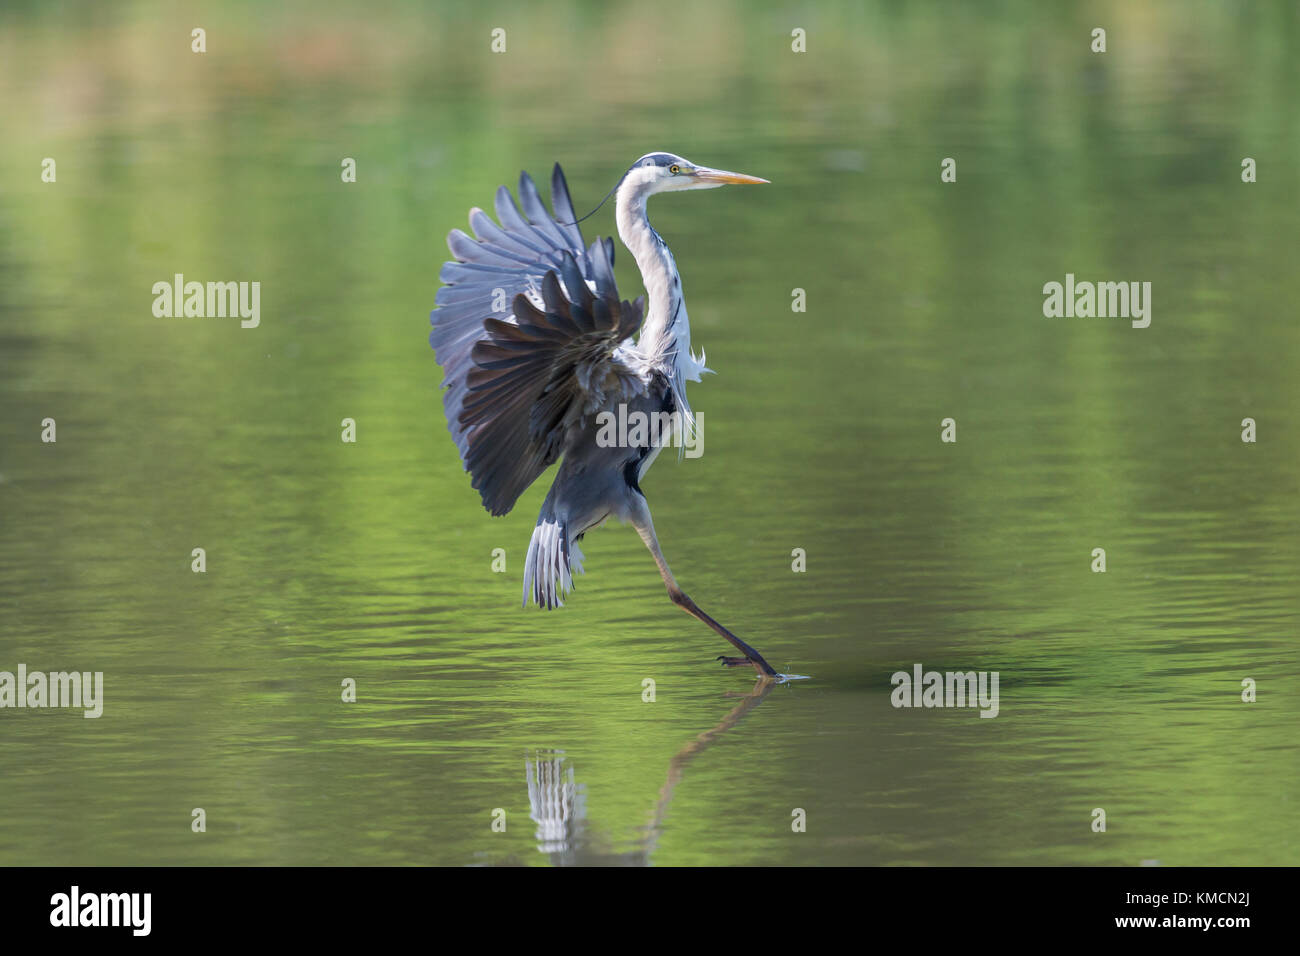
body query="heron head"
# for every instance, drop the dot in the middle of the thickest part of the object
(666, 172)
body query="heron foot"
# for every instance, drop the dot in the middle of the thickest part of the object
(760, 665)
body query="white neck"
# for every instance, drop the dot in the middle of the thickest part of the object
(665, 327)
(665, 341)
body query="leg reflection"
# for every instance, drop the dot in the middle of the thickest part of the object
(557, 803)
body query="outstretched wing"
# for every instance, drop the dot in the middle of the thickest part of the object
(525, 331)
(534, 378)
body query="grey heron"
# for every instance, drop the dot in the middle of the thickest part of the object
(535, 344)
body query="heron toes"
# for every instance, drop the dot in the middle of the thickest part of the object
(739, 662)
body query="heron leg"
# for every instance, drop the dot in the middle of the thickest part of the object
(645, 527)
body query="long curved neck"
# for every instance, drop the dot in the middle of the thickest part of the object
(665, 331)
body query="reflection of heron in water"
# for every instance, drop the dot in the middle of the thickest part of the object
(557, 803)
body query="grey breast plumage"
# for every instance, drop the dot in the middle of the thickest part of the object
(527, 322)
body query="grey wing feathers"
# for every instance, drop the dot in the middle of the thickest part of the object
(485, 276)
(530, 378)
(515, 329)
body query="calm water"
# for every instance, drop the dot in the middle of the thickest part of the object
(373, 560)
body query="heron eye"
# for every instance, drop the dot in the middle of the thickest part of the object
(674, 169)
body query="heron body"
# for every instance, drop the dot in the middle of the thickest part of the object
(535, 345)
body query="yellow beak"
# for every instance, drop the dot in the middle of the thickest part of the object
(722, 176)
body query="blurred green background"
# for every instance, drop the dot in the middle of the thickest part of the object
(373, 560)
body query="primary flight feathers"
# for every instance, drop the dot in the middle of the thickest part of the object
(525, 331)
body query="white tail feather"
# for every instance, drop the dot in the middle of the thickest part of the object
(548, 570)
